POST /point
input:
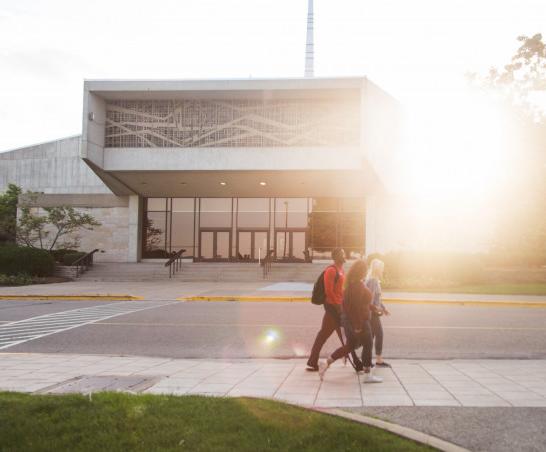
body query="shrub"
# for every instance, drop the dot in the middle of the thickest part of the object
(21, 259)
(70, 258)
(59, 254)
(21, 279)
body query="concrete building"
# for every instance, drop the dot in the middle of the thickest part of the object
(225, 169)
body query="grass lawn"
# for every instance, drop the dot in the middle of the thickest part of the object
(123, 422)
(493, 289)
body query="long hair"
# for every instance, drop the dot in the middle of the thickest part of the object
(376, 268)
(356, 272)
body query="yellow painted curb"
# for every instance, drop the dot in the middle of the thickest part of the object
(484, 303)
(71, 297)
(245, 299)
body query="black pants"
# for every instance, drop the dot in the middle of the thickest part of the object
(377, 333)
(355, 340)
(330, 322)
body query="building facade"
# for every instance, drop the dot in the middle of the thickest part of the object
(228, 170)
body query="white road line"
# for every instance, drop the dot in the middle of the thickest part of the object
(25, 330)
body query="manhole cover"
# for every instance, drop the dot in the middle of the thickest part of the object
(86, 384)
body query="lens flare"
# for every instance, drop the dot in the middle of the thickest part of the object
(270, 337)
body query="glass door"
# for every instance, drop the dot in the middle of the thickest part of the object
(290, 245)
(252, 245)
(215, 245)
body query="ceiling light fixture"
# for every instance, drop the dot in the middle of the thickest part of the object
(263, 184)
(223, 184)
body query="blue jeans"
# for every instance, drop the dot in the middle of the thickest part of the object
(377, 333)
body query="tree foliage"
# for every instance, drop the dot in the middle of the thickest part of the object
(8, 213)
(522, 85)
(525, 76)
(57, 227)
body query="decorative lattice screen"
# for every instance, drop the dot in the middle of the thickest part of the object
(231, 123)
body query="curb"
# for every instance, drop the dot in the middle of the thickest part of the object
(483, 303)
(244, 299)
(399, 430)
(71, 297)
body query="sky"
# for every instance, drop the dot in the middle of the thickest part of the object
(418, 51)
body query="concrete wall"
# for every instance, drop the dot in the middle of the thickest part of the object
(53, 167)
(111, 238)
(381, 131)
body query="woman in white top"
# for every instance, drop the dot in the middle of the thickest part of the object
(373, 282)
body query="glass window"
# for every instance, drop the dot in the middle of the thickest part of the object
(291, 212)
(182, 205)
(325, 205)
(245, 240)
(222, 245)
(154, 234)
(253, 213)
(182, 229)
(352, 232)
(352, 204)
(216, 212)
(207, 242)
(182, 232)
(157, 204)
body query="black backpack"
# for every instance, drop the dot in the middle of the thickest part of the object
(319, 292)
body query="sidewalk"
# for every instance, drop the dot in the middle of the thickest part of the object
(251, 291)
(454, 383)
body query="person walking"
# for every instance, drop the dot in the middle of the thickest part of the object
(356, 322)
(373, 283)
(334, 279)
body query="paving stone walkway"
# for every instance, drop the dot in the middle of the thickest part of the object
(468, 383)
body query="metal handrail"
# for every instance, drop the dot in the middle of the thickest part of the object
(266, 264)
(175, 262)
(84, 262)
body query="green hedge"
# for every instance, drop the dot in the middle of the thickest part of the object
(15, 260)
(59, 254)
(15, 280)
(70, 258)
(432, 268)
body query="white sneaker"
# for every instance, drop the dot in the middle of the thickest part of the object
(322, 368)
(371, 378)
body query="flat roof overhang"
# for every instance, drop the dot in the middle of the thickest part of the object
(337, 87)
(342, 183)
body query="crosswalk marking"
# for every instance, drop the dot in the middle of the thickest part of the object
(14, 333)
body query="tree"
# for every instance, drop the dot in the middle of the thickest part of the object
(46, 231)
(524, 77)
(8, 213)
(521, 83)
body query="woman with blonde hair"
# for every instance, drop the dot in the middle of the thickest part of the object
(373, 283)
(356, 321)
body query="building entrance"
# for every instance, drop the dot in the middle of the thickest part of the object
(214, 244)
(244, 229)
(252, 244)
(291, 244)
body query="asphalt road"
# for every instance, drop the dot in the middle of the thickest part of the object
(245, 330)
(480, 429)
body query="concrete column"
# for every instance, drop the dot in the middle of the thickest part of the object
(135, 228)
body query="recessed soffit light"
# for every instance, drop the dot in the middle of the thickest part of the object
(263, 184)
(223, 184)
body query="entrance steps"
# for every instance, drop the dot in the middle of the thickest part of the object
(214, 272)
